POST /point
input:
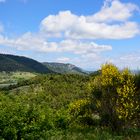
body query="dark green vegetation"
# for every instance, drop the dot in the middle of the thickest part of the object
(71, 107)
(64, 68)
(12, 63)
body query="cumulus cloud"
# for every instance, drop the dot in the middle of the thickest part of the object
(63, 59)
(54, 25)
(79, 47)
(108, 23)
(114, 10)
(103, 31)
(29, 41)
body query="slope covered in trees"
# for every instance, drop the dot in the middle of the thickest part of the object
(64, 68)
(10, 63)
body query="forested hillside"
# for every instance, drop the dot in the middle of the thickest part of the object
(10, 63)
(64, 68)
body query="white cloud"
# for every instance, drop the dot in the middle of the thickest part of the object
(34, 42)
(63, 59)
(79, 47)
(54, 25)
(103, 31)
(2, 1)
(114, 10)
(96, 26)
(29, 41)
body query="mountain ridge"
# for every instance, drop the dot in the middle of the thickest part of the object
(64, 68)
(11, 63)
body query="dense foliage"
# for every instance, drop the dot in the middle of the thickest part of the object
(104, 105)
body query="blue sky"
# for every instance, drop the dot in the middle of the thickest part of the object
(86, 33)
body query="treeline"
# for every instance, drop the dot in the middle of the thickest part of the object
(104, 105)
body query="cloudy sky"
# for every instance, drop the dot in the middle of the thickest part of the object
(86, 33)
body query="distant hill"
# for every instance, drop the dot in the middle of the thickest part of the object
(10, 63)
(64, 68)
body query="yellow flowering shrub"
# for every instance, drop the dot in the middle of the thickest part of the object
(110, 75)
(77, 106)
(117, 89)
(126, 105)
